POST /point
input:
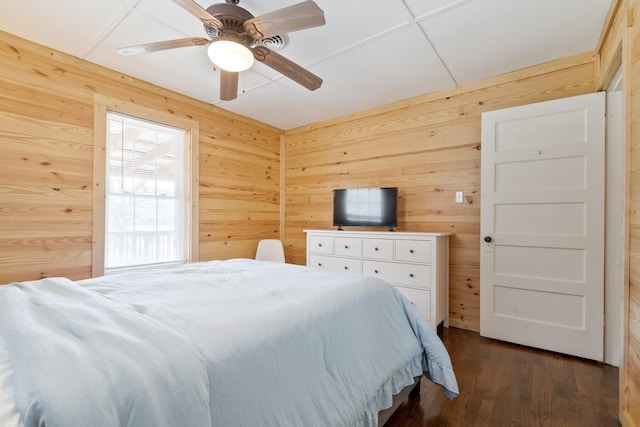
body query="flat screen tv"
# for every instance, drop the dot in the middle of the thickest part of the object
(373, 207)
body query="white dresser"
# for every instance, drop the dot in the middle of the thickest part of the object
(417, 264)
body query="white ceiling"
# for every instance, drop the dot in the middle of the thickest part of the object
(370, 52)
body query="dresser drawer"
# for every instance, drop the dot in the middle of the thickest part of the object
(413, 250)
(320, 244)
(413, 275)
(347, 246)
(415, 263)
(351, 265)
(421, 300)
(377, 248)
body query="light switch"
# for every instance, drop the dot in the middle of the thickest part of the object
(459, 196)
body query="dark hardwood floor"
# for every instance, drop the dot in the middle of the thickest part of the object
(504, 384)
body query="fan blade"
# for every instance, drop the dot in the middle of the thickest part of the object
(286, 20)
(196, 10)
(167, 44)
(287, 67)
(228, 85)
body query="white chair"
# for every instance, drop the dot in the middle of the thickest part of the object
(270, 250)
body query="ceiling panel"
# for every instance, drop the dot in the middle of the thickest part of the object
(497, 36)
(401, 59)
(170, 14)
(421, 9)
(77, 26)
(349, 24)
(369, 53)
(185, 70)
(281, 104)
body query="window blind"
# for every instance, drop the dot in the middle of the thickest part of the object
(145, 197)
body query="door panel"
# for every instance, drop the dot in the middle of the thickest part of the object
(542, 174)
(542, 215)
(560, 310)
(530, 218)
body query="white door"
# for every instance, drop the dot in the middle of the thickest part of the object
(542, 225)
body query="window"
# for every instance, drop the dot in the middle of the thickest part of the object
(145, 179)
(145, 193)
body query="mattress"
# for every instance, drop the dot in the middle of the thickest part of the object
(238, 342)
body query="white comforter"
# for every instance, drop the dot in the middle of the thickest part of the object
(221, 343)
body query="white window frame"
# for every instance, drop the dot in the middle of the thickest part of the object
(104, 104)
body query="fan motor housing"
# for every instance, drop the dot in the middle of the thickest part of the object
(231, 16)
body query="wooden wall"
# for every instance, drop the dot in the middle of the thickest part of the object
(46, 152)
(620, 49)
(429, 147)
(630, 398)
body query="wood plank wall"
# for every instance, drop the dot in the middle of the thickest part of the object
(631, 61)
(620, 48)
(46, 137)
(630, 378)
(429, 147)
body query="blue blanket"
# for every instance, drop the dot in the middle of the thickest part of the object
(79, 359)
(218, 343)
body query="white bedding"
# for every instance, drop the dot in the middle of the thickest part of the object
(8, 413)
(282, 345)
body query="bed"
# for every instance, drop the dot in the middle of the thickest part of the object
(219, 343)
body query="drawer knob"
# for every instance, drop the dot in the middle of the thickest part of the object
(346, 246)
(410, 251)
(319, 245)
(319, 264)
(375, 249)
(410, 274)
(375, 271)
(346, 267)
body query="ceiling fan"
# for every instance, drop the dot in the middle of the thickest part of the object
(237, 38)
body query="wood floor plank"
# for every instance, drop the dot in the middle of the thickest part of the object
(503, 384)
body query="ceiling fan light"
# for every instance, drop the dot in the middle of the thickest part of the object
(230, 55)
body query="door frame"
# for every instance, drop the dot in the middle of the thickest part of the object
(615, 224)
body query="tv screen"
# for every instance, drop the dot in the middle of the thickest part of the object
(375, 207)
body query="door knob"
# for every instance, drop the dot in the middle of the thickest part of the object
(488, 239)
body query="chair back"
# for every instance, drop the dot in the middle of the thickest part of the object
(270, 250)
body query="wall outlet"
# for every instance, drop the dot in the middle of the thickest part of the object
(459, 196)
